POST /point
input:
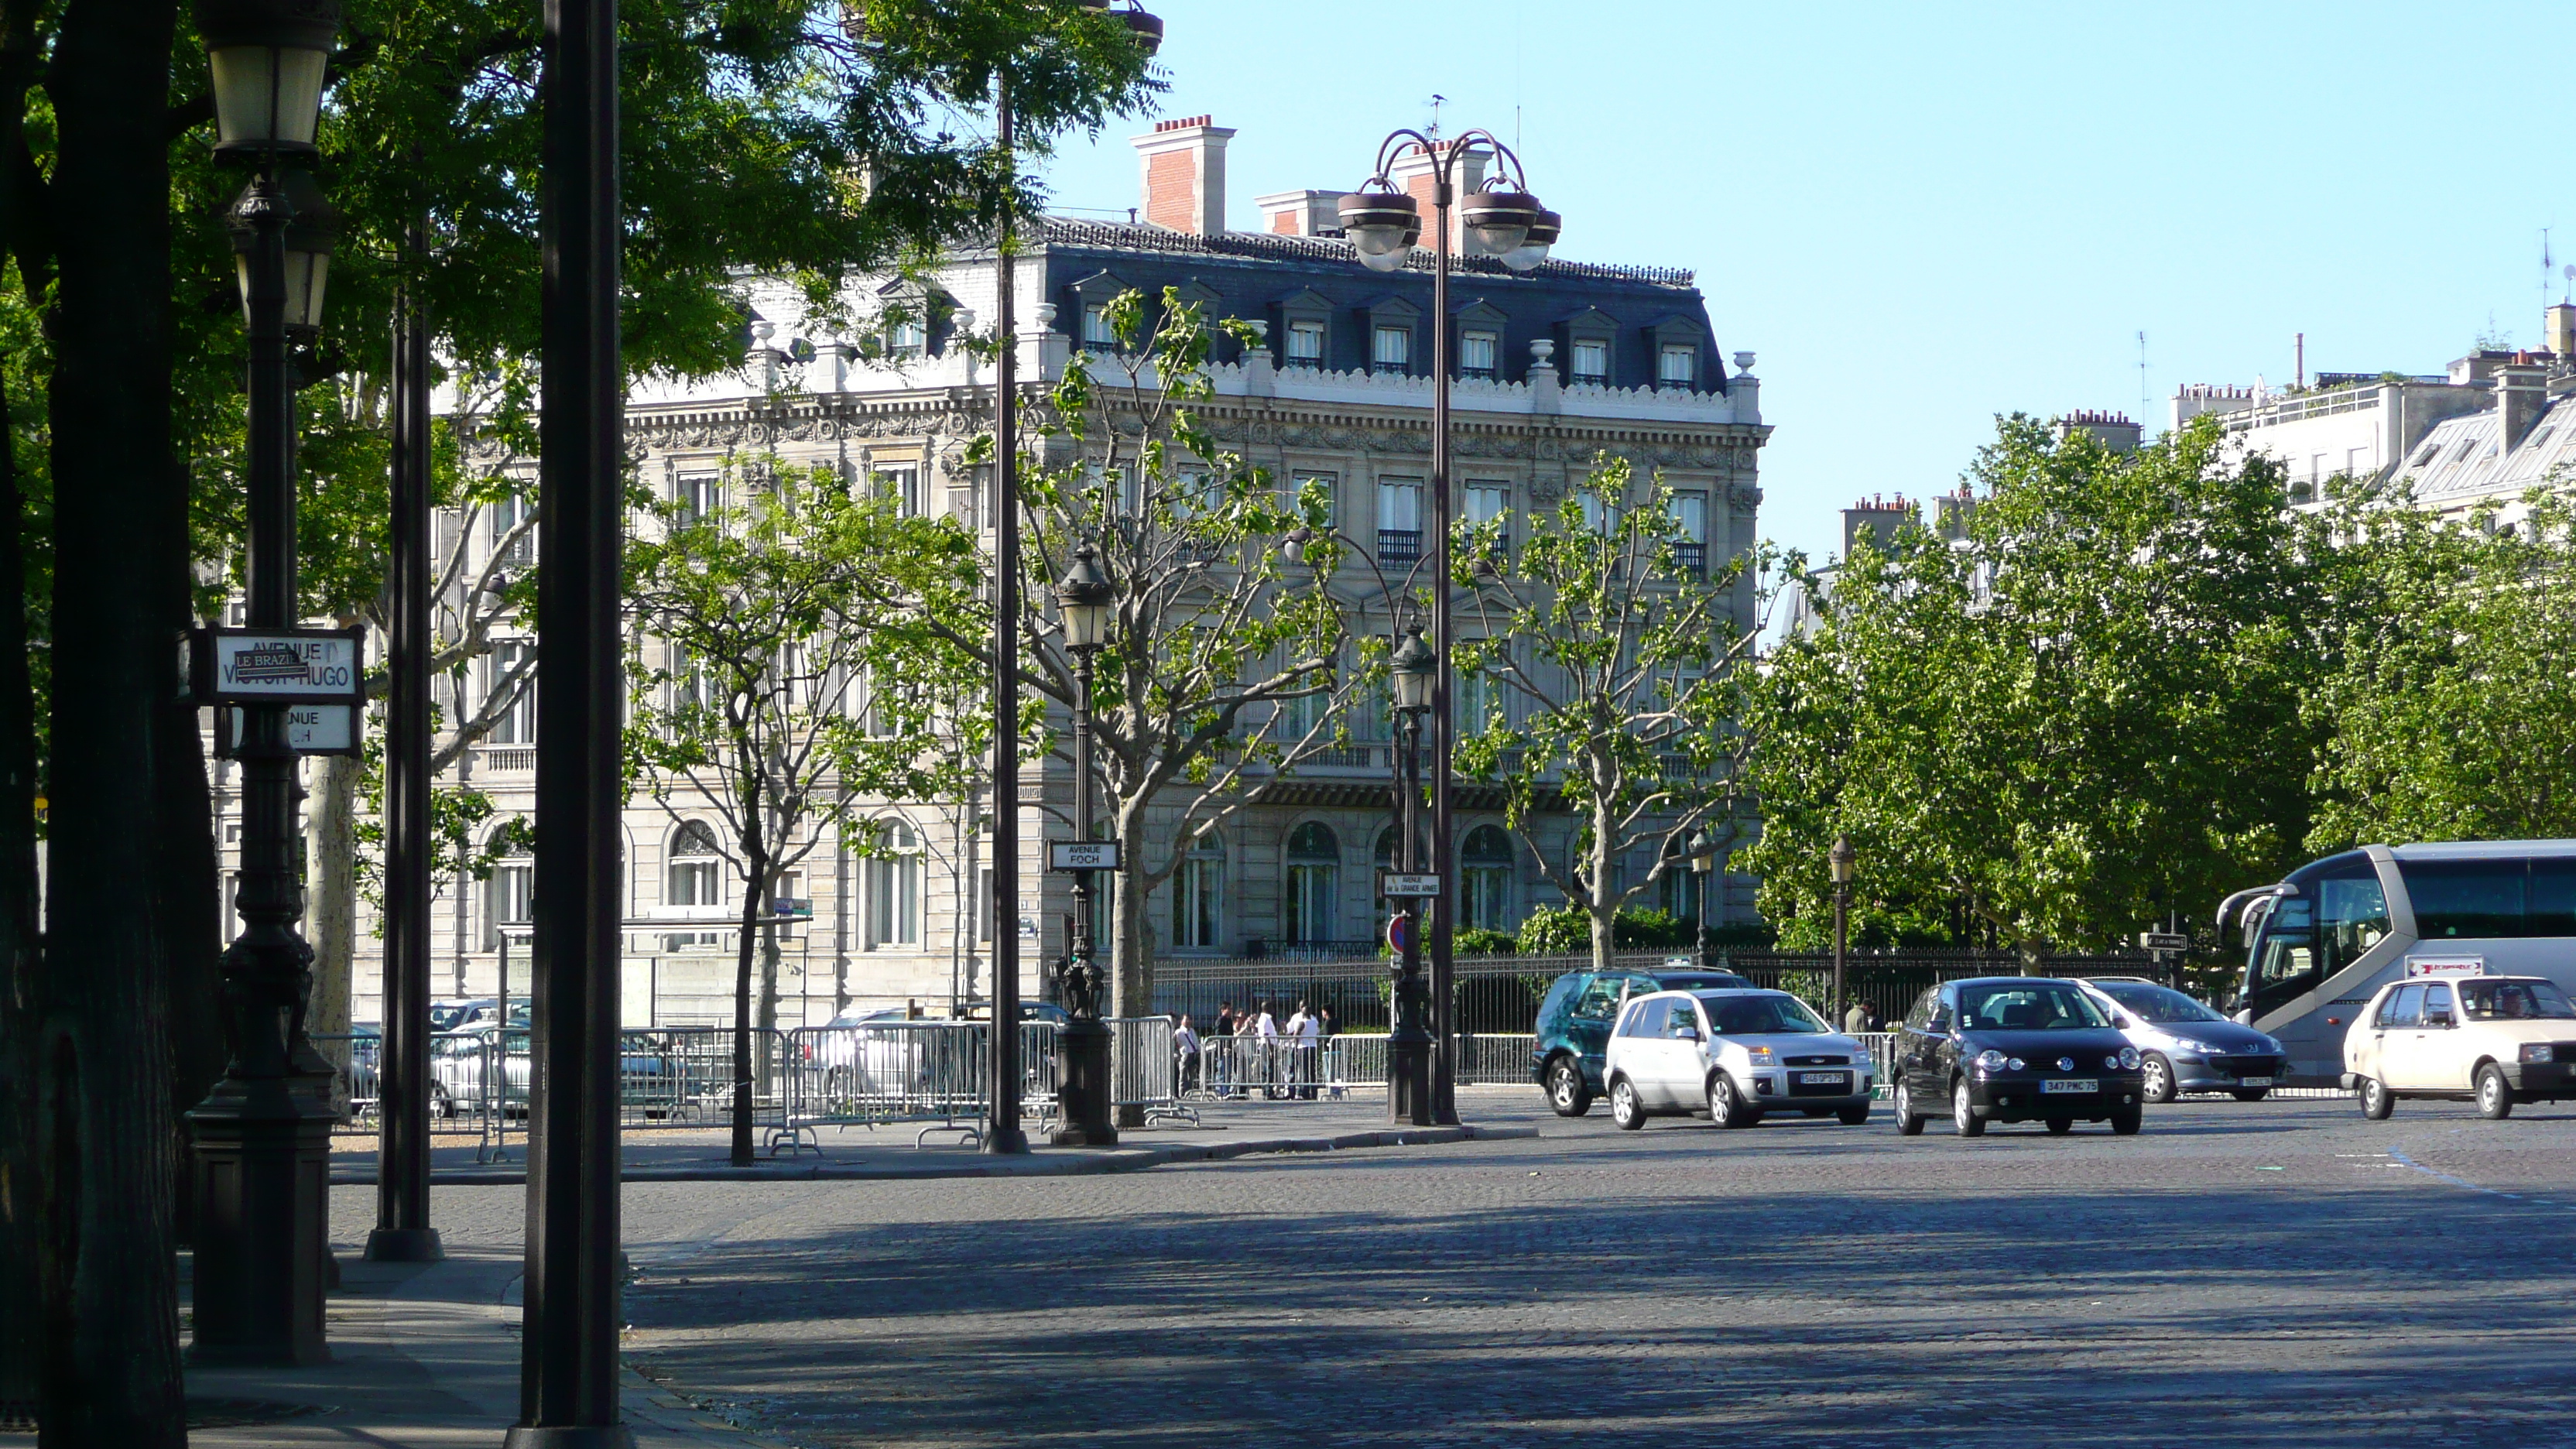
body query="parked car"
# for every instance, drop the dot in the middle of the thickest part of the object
(2015, 1049)
(1573, 1029)
(1738, 1055)
(2493, 1040)
(2184, 1045)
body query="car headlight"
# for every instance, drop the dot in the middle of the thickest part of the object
(2126, 1061)
(2539, 1051)
(1990, 1060)
(1761, 1055)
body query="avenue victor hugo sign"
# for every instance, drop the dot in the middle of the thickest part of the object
(318, 674)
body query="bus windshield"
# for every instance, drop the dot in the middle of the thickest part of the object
(2515, 1001)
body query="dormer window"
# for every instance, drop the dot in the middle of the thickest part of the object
(1097, 333)
(1477, 352)
(906, 337)
(1592, 361)
(1391, 349)
(1677, 367)
(1305, 344)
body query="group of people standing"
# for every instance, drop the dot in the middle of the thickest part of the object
(1251, 1049)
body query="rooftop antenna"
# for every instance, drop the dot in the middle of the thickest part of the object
(2142, 374)
(2545, 262)
(1436, 99)
(2569, 272)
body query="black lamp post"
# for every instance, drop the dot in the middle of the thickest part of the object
(1703, 861)
(1383, 224)
(1840, 860)
(1084, 599)
(262, 1136)
(1414, 671)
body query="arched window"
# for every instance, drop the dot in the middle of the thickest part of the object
(1198, 895)
(512, 895)
(1314, 883)
(894, 887)
(1485, 880)
(694, 882)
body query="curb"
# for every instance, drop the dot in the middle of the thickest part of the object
(1061, 1163)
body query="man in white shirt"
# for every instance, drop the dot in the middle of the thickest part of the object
(1267, 1029)
(1185, 1056)
(1308, 1032)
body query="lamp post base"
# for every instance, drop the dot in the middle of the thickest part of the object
(569, 1436)
(1408, 1080)
(1084, 1094)
(262, 1219)
(405, 1245)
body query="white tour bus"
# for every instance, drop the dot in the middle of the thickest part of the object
(2320, 943)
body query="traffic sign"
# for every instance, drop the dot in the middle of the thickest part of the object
(2163, 941)
(1393, 883)
(796, 908)
(1082, 855)
(311, 729)
(1398, 927)
(277, 666)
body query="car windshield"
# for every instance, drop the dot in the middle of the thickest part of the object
(2040, 1006)
(445, 1018)
(2160, 1004)
(1770, 1015)
(2515, 1001)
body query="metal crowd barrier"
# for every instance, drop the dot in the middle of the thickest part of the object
(1145, 1071)
(888, 1073)
(1278, 1068)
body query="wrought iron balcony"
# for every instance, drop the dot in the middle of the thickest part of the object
(1399, 545)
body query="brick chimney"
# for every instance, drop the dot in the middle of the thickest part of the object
(1411, 174)
(1183, 171)
(1301, 213)
(2522, 392)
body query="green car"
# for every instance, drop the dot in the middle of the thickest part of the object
(1574, 1025)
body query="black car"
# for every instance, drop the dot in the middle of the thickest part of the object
(2015, 1049)
(1574, 1024)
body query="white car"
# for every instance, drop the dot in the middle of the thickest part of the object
(1737, 1055)
(2493, 1040)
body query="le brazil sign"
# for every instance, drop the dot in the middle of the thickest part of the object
(276, 666)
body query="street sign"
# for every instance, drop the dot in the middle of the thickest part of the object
(796, 908)
(1393, 883)
(1082, 855)
(277, 666)
(2163, 941)
(1397, 929)
(311, 729)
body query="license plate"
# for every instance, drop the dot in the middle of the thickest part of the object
(1822, 1079)
(2253, 1081)
(2070, 1084)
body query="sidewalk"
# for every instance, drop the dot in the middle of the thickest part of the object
(424, 1356)
(698, 1154)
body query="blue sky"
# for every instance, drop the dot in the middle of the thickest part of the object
(1922, 215)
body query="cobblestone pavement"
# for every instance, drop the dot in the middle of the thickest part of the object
(2274, 1274)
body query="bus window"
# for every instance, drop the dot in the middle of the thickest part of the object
(2285, 955)
(2467, 898)
(2352, 917)
(2551, 906)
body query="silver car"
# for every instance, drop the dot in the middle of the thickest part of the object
(2185, 1046)
(1737, 1055)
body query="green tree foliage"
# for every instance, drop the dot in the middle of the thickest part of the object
(1615, 672)
(2453, 714)
(2078, 714)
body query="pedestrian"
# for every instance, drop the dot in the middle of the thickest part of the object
(1856, 1019)
(1325, 1024)
(1247, 1053)
(1227, 1019)
(1265, 1030)
(1309, 1034)
(1872, 1021)
(1185, 1056)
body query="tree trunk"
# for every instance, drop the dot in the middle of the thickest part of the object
(187, 894)
(755, 867)
(331, 845)
(1131, 981)
(107, 1268)
(1604, 905)
(21, 958)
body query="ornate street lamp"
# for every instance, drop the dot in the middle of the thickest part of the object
(1083, 600)
(1840, 861)
(1003, 1133)
(262, 1136)
(1414, 673)
(1383, 223)
(1703, 861)
(313, 224)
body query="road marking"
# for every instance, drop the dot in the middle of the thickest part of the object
(2435, 1172)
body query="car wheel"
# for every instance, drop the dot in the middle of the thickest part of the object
(1567, 1092)
(2159, 1078)
(439, 1104)
(1908, 1123)
(2495, 1099)
(2125, 1121)
(1963, 1114)
(2376, 1100)
(2252, 1094)
(1854, 1116)
(1625, 1109)
(2060, 1126)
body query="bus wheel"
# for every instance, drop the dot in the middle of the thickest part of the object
(2376, 1100)
(2495, 1099)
